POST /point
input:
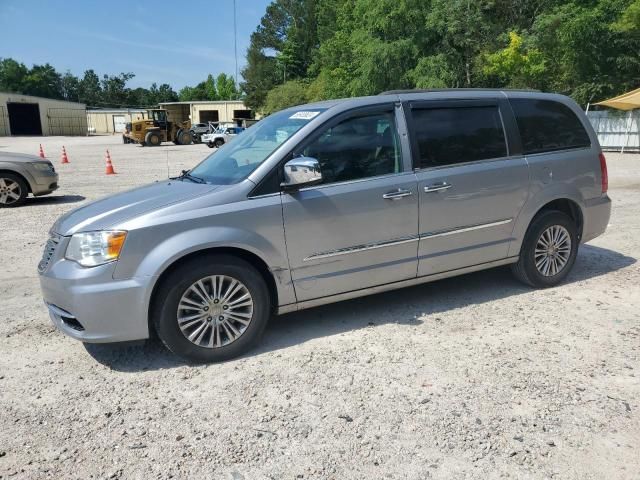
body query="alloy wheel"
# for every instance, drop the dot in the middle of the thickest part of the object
(215, 311)
(553, 250)
(10, 191)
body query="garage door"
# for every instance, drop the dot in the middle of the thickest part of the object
(119, 122)
(24, 118)
(67, 121)
(209, 116)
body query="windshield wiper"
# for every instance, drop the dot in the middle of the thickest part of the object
(188, 176)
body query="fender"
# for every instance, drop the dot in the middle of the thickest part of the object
(545, 195)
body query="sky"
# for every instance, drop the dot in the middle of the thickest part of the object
(176, 42)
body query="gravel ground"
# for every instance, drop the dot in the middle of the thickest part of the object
(474, 377)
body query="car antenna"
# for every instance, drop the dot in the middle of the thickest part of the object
(168, 170)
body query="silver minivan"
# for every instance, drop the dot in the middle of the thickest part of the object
(326, 202)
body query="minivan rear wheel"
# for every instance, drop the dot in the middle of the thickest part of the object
(549, 250)
(211, 308)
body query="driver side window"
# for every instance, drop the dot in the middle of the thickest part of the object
(358, 147)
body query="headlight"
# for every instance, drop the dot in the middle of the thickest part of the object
(44, 166)
(91, 249)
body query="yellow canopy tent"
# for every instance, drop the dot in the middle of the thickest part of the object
(627, 101)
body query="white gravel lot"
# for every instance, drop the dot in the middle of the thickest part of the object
(472, 377)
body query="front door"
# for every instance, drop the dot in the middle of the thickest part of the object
(472, 182)
(359, 227)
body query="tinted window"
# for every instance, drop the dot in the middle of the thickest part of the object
(359, 147)
(547, 126)
(237, 159)
(447, 136)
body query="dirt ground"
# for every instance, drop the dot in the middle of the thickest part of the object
(473, 377)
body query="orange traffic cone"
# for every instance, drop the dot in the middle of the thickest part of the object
(64, 158)
(110, 170)
(41, 152)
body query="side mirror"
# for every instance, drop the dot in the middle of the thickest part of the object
(301, 172)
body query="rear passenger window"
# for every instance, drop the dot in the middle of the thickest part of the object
(447, 136)
(546, 126)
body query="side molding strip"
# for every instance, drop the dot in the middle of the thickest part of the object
(400, 241)
(362, 248)
(444, 233)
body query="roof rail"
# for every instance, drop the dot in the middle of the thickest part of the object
(432, 90)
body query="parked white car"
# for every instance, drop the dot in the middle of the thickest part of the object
(221, 136)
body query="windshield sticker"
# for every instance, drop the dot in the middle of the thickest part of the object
(303, 115)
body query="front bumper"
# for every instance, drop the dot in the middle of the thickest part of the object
(44, 184)
(89, 305)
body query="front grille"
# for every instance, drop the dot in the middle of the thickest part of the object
(49, 250)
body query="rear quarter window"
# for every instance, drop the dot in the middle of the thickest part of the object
(547, 126)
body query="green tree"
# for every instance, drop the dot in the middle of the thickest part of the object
(70, 86)
(282, 48)
(166, 94)
(289, 94)
(199, 92)
(89, 89)
(12, 75)
(43, 81)
(114, 89)
(629, 21)
(210, 88)
(226, 87)
(516, 66)
(585, 55)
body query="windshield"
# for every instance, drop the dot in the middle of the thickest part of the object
(244, 153)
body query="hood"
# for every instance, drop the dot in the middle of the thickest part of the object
(110, 211)
(20, 158)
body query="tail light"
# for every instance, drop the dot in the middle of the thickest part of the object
(603, 173)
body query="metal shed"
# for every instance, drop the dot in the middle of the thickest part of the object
(105, 121)
(28, 115)
(231, 111)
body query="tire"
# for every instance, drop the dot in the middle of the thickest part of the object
(178, 289)
(152, 139)
(219, 142)
(13, 190)
(184, 137)
(555, 225)
(210, 145)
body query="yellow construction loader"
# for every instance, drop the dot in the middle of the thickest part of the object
(155, 129)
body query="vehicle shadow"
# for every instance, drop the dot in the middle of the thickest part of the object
(54, 199)
(405, 307)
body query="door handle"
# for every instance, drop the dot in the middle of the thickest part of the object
(397, 195)
(437, 187)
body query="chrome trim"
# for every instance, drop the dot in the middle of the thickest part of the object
(399, 241)
(58, 311)
(49, 251)
(391, 286)
(444, 233)
(397, 194)
(356, 180)
(361, 248)
(437, 187)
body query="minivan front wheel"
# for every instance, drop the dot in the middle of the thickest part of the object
(549, 250)
(212, 309)
(13, 190)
